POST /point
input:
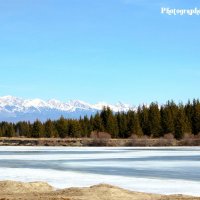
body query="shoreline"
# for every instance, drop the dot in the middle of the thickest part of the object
(11, 190)
(87, 142)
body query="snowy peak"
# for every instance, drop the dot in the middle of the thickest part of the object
(29, 109)
(76, 104)
(56, 104)
(35, 103)
(119, 107)
(9, 101)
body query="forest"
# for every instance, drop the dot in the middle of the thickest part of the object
(154, 121)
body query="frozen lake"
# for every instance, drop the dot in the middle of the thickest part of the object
(156, 170)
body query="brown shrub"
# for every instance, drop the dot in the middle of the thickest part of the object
(99, 138)
(135, 141)
(164, 142)
(134, 137)
(168, 140)
(169, 136)
(188, 140)
(102, 135)
(98, 142)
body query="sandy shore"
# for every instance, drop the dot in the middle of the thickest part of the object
(10, 190)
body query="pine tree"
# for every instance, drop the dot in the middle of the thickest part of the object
(97, 124)
(49, 129)
(109, 122)
(143, 114)
(86, 127)
(122, 124)
(37, 130)
(167, 120)
(179, 126)
(137, 130)
(134, 127)
(23, 129)
(189, 111)
(196, 117)
(3, 128)
(62, 127)
(74, 128)
(154, 120)
(9, 130)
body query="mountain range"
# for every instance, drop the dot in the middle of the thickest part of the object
(14, 109)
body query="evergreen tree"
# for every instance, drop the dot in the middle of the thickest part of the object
(49, 129)
(3, 128)
(86, 127)
(154, 120)
(23, 129)
(74, 128)
(134, 127)
(137, 130)
(97, 124)
(122, 124)
(189, 111)
(37, 129)
(109, 122)
(143, 114)
(9, 131)
(167, 120)
(196, 117)
(179, 125)
(62, 127)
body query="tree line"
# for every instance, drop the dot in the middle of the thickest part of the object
(153, 121)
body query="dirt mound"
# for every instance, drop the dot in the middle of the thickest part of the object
(11, 187)
(106, 192)
(10, 190)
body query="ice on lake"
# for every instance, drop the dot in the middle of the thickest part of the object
(165, 170)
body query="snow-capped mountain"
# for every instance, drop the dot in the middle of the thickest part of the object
(15, 109)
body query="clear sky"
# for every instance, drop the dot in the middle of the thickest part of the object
(99, 50)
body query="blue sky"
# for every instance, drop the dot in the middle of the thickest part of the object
(102, 50)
